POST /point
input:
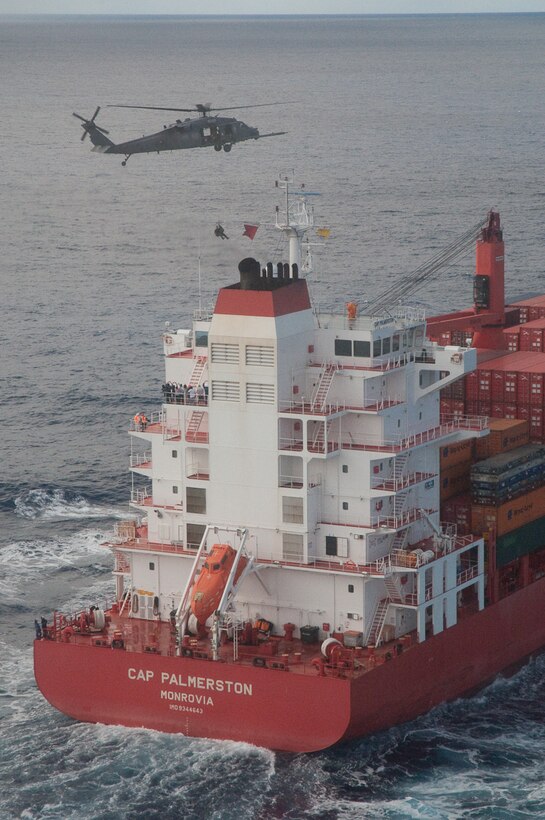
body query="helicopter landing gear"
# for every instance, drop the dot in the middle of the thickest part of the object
(227, 148)
(217, 146)
(127, 158)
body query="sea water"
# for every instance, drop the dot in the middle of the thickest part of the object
(411, 128)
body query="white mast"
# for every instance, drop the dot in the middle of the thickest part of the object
(298, 218)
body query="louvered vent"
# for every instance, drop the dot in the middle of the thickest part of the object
(225, 391)
(226, 353)
(260, 393)
(260, 355)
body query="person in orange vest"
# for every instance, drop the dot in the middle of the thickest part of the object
(137, 422)
(143, 420)
(352, 310)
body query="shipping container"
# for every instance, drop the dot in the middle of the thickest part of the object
(455, 480)
(471, 384)
(512, 340)
(461, 452)
(505, 435)
(520, 542)
(508, 517)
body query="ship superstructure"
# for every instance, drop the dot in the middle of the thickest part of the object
(288, 579)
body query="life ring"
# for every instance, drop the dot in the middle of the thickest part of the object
(168, 340)
(350, 565)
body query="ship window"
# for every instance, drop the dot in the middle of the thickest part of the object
(330, 545)
(345, 505)
(175, 490)
(195, 533)
(292, 510)
(196, 500)
(292, 546)
(362, 348)
(377, 347)
(386, 345)
(343, 347)
(151, 565)
(395, 342)
(201, 338)
(345, 468)
(351, 587)
(175, 454)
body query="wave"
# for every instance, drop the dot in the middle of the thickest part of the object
(60, 504)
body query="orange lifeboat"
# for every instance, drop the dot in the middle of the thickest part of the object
(212, 580)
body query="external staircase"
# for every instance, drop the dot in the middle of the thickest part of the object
(322, 389)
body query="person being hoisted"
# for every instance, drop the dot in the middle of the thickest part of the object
(219, 232)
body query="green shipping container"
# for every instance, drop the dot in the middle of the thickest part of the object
(520, 542)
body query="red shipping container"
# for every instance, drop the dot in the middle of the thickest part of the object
(483, 408)
(446, 392)
(523, 412)
(536, 339)
(523, 388)
(536, 424)
(510, 411)
(471, 381)
(524, 339)
(512, 341)
(536, 389)
(498, 385)
(444, 407)
(458, 389)
(497, 410)
(458, 407)
(484, 384)
(510, 386)
(472, 408)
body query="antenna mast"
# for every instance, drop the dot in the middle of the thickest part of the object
(298, 219)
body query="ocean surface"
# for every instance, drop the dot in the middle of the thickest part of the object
(411, 128)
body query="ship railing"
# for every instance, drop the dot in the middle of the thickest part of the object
(296, 482)
(139, 496)
(139, 459)
(310, 408)
(403, 482)
(290, 443)
(155, 417)
(396, 444)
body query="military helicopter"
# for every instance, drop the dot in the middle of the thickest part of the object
(205, 131)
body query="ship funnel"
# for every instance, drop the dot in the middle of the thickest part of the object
(250, 274)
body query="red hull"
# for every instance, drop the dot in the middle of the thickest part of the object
(284, 710)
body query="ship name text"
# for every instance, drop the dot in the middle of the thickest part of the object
(192, 681)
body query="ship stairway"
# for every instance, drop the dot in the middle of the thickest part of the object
(394, 592)
(198, 370)
(400, 469)
(318, 439)
(399, 540)
(377, 622)
(195, 419)
(322, 390)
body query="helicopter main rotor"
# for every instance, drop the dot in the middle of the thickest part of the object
(203, 109)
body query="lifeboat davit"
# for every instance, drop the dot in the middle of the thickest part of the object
(212, 580)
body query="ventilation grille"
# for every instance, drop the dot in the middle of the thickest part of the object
(260, 355)
(225, 391)
(227, 353)
(259, 393)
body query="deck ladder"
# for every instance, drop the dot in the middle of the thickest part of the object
(195, 420)
(377, 622)
(198, 370)
(320, 396)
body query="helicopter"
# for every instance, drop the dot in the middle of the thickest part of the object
(205, 131)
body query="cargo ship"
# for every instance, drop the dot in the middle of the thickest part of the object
(338, 517)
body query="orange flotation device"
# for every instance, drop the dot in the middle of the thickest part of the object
(212, 580)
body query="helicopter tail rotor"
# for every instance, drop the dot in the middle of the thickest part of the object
(89, 125)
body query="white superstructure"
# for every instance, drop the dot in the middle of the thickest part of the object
(319, 435)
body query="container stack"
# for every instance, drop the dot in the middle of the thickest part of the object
(501, 478)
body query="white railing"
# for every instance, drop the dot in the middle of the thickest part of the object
(139, 496)
(137, 459)
(290, 443)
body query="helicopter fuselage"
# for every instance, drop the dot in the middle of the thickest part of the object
(204, 132)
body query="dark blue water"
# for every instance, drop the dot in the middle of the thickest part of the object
(411, 127)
